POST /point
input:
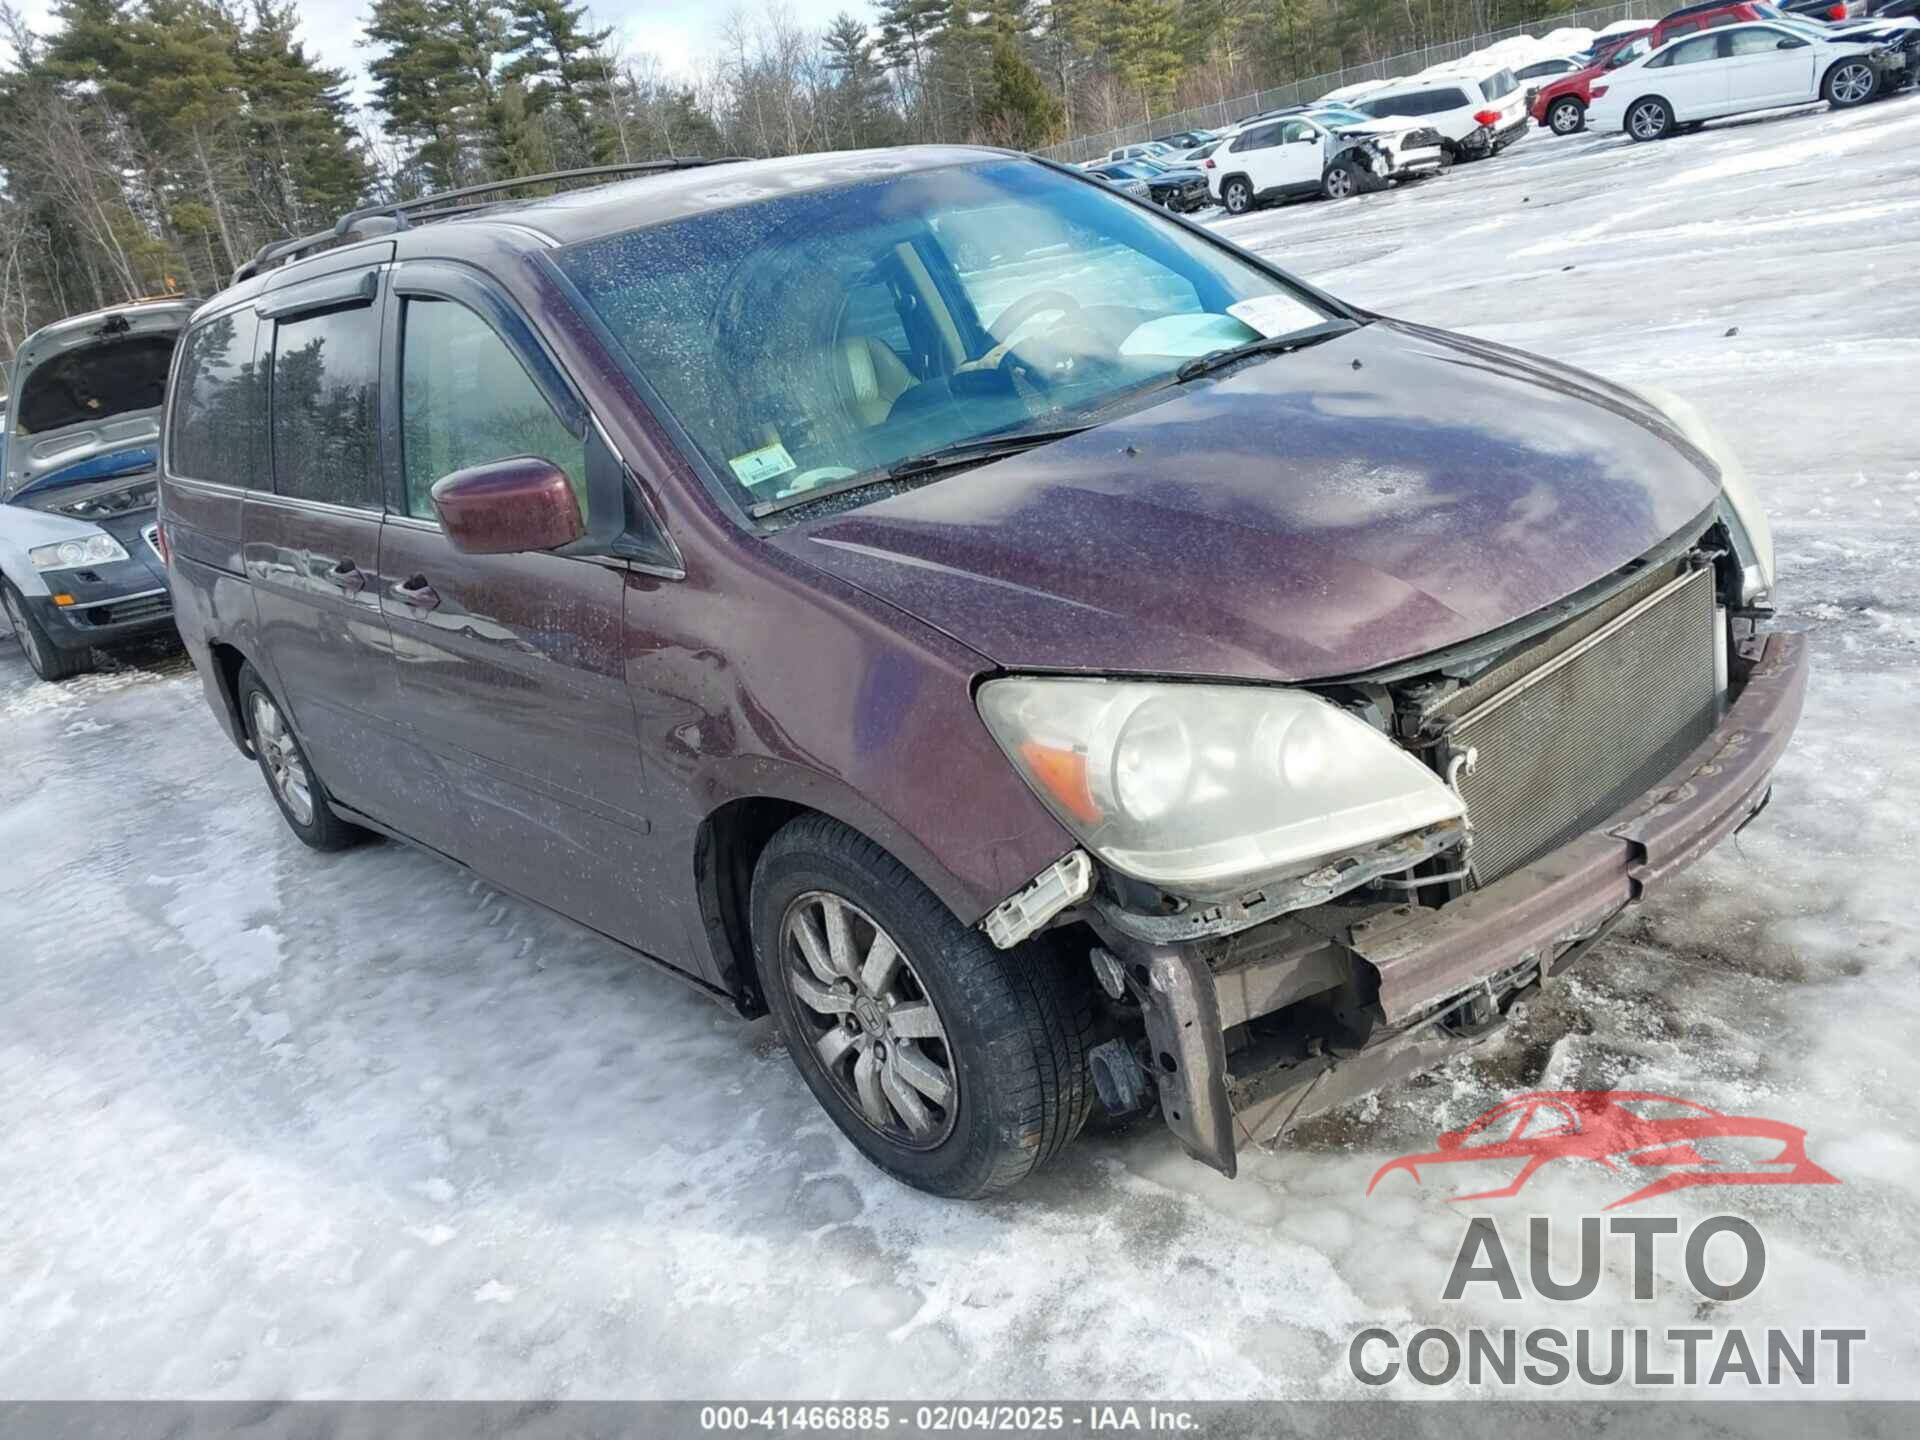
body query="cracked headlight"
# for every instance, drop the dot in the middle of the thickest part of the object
(1209, 790)
(1753, 537)
(101, 549)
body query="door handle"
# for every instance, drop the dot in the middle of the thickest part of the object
(418, 593)
(347, 576)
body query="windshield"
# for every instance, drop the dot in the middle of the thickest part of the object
(1499, 84)
(808, 341)
(1341, 115)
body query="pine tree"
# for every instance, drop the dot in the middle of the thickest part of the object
(863, 114)
(1067, 28)
(306, 162)
(1141, 37)
(560, 64)
(910, 30)
(1019, 111)
(437, 86)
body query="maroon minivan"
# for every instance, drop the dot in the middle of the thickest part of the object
(1043, 654)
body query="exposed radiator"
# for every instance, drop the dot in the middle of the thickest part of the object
(1594, 724)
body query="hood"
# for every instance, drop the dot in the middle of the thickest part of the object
(1382, 125)
(1342, 508)
(1180, 175)
(1887, 32)
(88, 395)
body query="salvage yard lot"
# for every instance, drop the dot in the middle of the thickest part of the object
(354, 1125)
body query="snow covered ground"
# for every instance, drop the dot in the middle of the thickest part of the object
(285, 1124)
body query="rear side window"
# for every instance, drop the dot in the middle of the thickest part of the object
(466, 400)
(219, 413)
(1258, 139)
(325, 368)
(1500, 83)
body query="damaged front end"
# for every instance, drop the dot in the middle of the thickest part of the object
(1572, 762)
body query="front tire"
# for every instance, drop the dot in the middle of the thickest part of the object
(1567, 116)
(1649, 119)
(955, 1067)
(48, 660)
(1344, 179)
(1850, 83)
(290, 779)
(1237, 196)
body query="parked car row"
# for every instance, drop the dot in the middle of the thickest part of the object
(1700, 62)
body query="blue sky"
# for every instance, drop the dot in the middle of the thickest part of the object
(680, 32)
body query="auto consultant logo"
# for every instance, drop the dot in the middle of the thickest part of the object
(1630, 1132)
(1655, 1145)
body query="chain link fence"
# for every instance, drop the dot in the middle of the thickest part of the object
(1227, 112)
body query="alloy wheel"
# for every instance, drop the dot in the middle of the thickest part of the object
(1237, 197)
(1565, 118)
(1852, 84)
(1649, 121)
(875, 1031)
(23, 632)
(286, 770)
(1339, 184)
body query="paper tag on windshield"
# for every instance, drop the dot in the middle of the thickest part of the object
(756, 467)
(1271, 314)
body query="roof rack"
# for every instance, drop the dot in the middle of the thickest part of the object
(426, 208)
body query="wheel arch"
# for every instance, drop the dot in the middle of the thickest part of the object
(223, 682)
(1626, 115)
(1826, 75)
(728, 842)
(1253, 191)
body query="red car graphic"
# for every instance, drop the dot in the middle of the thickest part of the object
(1617, 1128)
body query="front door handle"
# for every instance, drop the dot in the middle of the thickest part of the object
(347, 576)
(418, 593)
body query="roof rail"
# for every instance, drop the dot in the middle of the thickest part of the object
(426, 208)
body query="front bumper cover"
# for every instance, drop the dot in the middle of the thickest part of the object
(1433, 963)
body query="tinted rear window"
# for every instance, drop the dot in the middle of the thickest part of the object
(324, 370)
(1498, 84)
(220, 408)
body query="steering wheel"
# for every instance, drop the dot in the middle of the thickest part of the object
(1028, 306)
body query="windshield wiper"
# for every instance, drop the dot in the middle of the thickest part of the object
(1265, 345)
(962, 452)
(983, 447)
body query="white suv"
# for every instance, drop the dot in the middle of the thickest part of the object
(1476, 113)
(1332, 151)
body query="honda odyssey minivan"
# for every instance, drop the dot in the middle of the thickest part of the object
(1045, 656)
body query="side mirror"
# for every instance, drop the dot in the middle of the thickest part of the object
(508, 506)
(1786, 43)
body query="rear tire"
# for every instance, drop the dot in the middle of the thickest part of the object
(1650, 118)
(1237, 195)
(987, 1080)
(289, 775)
(1850, 83)
(1567, 116)
(48, 660)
